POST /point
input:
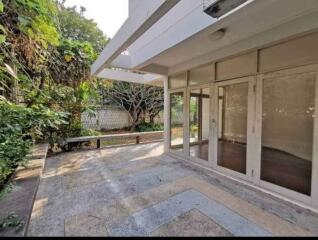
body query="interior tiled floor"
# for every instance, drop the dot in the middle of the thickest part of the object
(137, 191)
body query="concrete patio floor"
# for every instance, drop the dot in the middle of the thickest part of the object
(137, 191)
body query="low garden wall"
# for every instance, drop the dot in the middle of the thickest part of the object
(110, 118)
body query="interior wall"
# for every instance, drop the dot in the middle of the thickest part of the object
(288, 110)
(234, 112)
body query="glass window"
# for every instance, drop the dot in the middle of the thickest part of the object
(287, 131)
(201, 75)
(178, 81)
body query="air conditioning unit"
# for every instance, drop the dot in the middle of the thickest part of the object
(221, 7)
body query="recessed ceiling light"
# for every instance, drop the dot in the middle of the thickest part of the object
(218, 34)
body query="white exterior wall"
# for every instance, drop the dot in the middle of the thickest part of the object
(139, 6)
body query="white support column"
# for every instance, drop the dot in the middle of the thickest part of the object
(166, 115)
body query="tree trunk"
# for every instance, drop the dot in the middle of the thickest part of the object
(152, 119)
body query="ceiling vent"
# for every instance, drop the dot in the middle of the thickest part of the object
(221, 7)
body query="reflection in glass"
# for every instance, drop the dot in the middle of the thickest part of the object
(287, 131)
(176, 120)
(199, 123)
(232, 134)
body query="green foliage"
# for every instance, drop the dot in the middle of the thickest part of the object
(75, 27)
(46, 69)
(149, 127)
(45, 81)
(37, 20)
(11, 221)
(6, 190)
(138, 100)
(2, 29)
(72, 101)
(14, 145)
(19, 128)
(89, 132)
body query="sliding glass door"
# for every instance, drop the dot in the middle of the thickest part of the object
(234, 108)
(262, 129)
(287, 129)
(199, 127)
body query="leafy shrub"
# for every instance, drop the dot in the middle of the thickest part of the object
(89, 132)
(19, 128)
(11, 221)
(149, 127)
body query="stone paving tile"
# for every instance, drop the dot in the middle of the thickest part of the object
(71, 203)
(146, 221)
(128, 183)
(269, 221)
(76, 179)
(302, 219)
(131, 205)
(89, 227)
(121, 169)
(192, 223)
(127, 206)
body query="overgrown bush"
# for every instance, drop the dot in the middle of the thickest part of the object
(19, 128)
(149, 127)
(45, 71)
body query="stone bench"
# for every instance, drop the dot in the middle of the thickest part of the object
(98, 139)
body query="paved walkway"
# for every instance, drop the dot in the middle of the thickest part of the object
(136, 191)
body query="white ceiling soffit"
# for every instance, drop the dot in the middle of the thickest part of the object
(131, 30)
(127, 76)
(178, 25)
(254, 17)
(297, 27)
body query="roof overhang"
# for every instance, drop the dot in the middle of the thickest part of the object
(131, 30)
(180, 40)
(134, 77)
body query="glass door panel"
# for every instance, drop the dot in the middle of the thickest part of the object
(176, 120)
(287, 131)
(194, 116)
(199, 123)
(232, 126)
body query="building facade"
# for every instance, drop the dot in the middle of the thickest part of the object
(240, 82)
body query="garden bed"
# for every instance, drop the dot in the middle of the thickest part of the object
(16, 204)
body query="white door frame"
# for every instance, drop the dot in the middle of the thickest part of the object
(250, 171)
(313, 199)
(254, 132)
(172, 151)
(191, 158)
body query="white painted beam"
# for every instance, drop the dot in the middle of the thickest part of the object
(127, 76)
(122, 61)
(131, 30)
